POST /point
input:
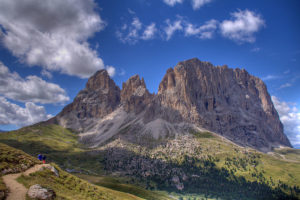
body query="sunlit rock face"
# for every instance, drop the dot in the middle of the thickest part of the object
(230, 102)
(134, 95)
(100, 97)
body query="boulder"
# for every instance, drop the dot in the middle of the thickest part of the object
(51, 168)
(38, 192)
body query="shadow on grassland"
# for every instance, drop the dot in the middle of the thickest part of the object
(192, 176)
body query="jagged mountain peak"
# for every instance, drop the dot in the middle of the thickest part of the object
(100, 97)
(230, 102)
(134, 95)
(130, 87)
(100, 80)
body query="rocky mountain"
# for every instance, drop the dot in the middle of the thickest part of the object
(194, 95)
(192, 139)
(100, 97)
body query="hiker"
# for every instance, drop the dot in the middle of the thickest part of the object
(40, 157)
(44, 159)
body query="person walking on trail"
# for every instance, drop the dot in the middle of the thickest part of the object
(40, 157)
(44, 159)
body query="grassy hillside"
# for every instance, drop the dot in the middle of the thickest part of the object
(205, 164)
(13, 161)
(118, 184)
(59, 144)
(66, 186)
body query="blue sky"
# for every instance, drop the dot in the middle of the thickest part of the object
(48, 49)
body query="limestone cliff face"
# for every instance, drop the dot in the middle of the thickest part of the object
(134, 95)
(100, 97)
(229, 102)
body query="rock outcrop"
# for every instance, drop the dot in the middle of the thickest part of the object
(38, 192)
(134, 95)
(227, 101)
(230, 102)
(51, 168)
(100, 97)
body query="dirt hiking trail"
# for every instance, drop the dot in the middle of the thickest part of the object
(17, 191)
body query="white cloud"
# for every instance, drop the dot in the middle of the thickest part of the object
(135, 31)
(199, 3)
(205, 31)
(149, 32)
(136, 23)
(46, 73)
(171, 28)
(290, 117)
(270, 77)
(195, 3)
(32, 88)
(52, 34)
(172, 2)
(285, 85)
(242, 27)
(256, 49)
(111, 70)
(131, 11)
(11, 113)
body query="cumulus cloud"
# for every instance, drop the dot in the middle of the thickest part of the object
(11, 113)
(171, 28)
(205, 31)
(32, 88)
(46, 73)
(242, 27)
(52, 34)
(290, 117)
(111, 71)
(172, 2)
(195, 3)
(133, 32)
(199, 3)
(149, 32)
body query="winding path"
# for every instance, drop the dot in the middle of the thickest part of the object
(17, 191)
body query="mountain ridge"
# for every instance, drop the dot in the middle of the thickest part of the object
(192, 95)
